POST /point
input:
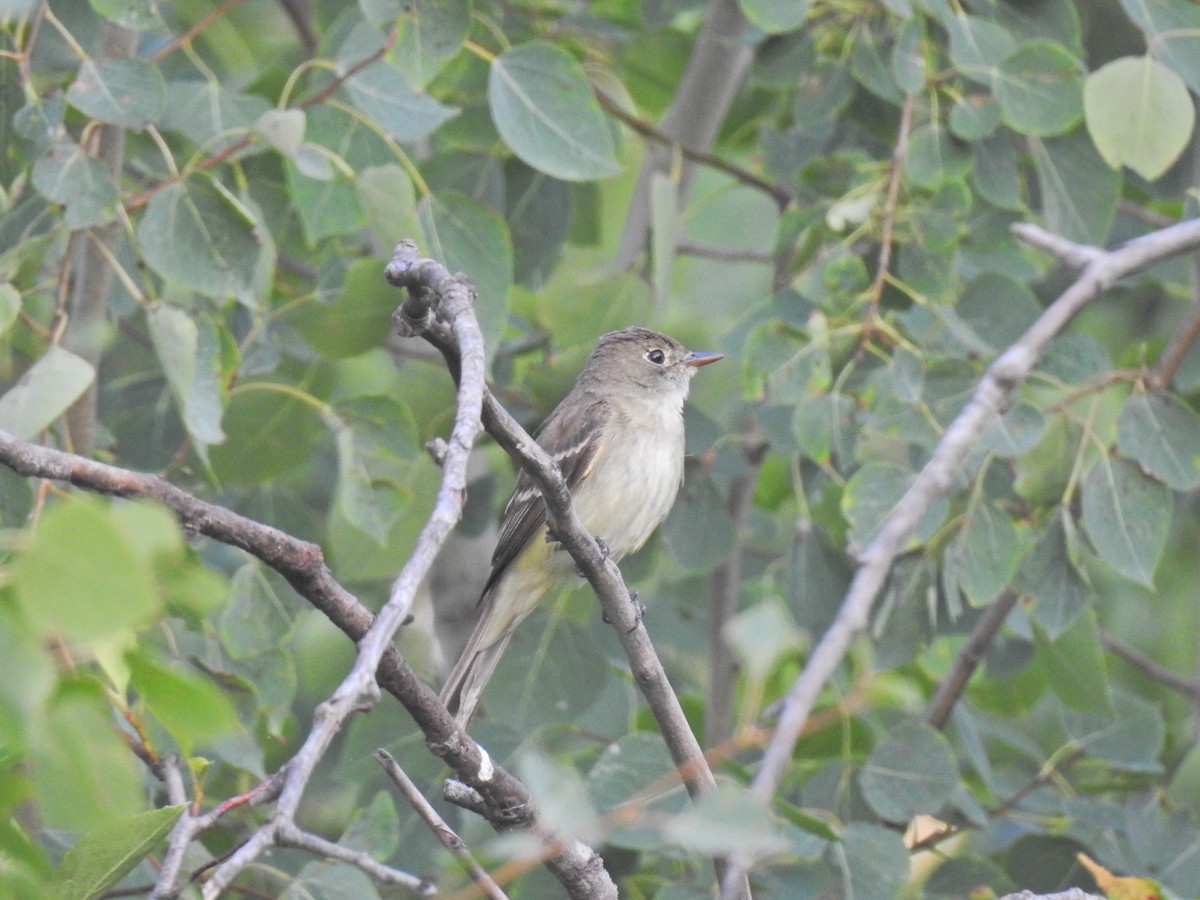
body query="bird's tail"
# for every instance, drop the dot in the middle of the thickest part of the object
(464, 687)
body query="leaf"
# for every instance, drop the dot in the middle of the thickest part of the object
(468, 237)
(1074, 665)
(1162, 434)
(45, 392)
(383, 94)
(873, 861)
(210, 114)
(1040, 89)
(911, 772)
(559, 793)
(200, 239)
(761, 636)
(1078, 189)
(978, 46)
(126, 92)
(1130, 739)
(727, 820)
(355, 498)
(776, 16)
(1172, 29)
(1048, 575)
(374, 829)
(698, 530)
(431, 32)
(1139, 114)
(81, 183)
(624, 770)
(544, 109)
(935, 156)
(108, 853)
(191, 366)
(358, 320)
(81, 769)
(1126, 516)
(136, 15)
(268, 434)
(984, 553)
(283, 129)
(191, 708)
(56, 581)
(664, 227)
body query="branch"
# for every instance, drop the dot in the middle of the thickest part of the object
(443, 832)
(995, 393)
(291, 836)
(718, 64)
(968, 659)
(602, 573)
(1187, 687)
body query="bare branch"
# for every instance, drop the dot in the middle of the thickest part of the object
(1188, 688)
(291, 836)
(968, 659)
(995, 393)
(443, 832)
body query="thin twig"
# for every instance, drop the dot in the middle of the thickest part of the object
(781, 196)
(443, 832)
(291, 836)
(888, 216)
(1187, 687)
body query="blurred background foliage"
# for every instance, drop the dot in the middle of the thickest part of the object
(196, 203)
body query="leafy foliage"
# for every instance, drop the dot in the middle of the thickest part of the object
(227, 192)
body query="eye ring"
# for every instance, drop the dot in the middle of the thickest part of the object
(656, 356)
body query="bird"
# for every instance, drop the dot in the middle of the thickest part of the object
(618, 440)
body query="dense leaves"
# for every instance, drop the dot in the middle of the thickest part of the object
(194, 218)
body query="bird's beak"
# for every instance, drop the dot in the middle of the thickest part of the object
(695, 360)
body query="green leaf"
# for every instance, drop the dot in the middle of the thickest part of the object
(776, 16)
(761, 636)
(383, 94)
(664, 228)
(191, 708)
(978, 46)
(1040, 89)
(108, 853)
(1172, 29)
(559, 793)
(355, 498)
(1130, 739)
(374, 829)
(1139, 114)
(210, 114)
(468, 237)
(698, 530)
(1078, 189)
(255, 618)
(1048, 575)
(1074, 665)
(67, 175)
(1161, 434)
(544, 109)
(934, 157)
(189, 357)
(82, 771)
(873, 861)
(727, 820)
(974, 116)
(1126, 516)
(56, 581)
(911, 772)
(908, 60)
(623, 772)
(984, 554)
(431, 32)
(45, 392)
(200, 238)
(10, 306)
(136, 15)
(358, 320)
(126, 92)
(824, 428)
(268, 434)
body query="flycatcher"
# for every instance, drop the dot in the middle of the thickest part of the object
(618, 440)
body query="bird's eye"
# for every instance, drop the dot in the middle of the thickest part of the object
(656, 356)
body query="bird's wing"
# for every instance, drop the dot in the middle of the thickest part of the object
(575, 437)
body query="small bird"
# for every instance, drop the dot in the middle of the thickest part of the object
(617, 438)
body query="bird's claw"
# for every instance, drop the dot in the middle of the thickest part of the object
(639, 612)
